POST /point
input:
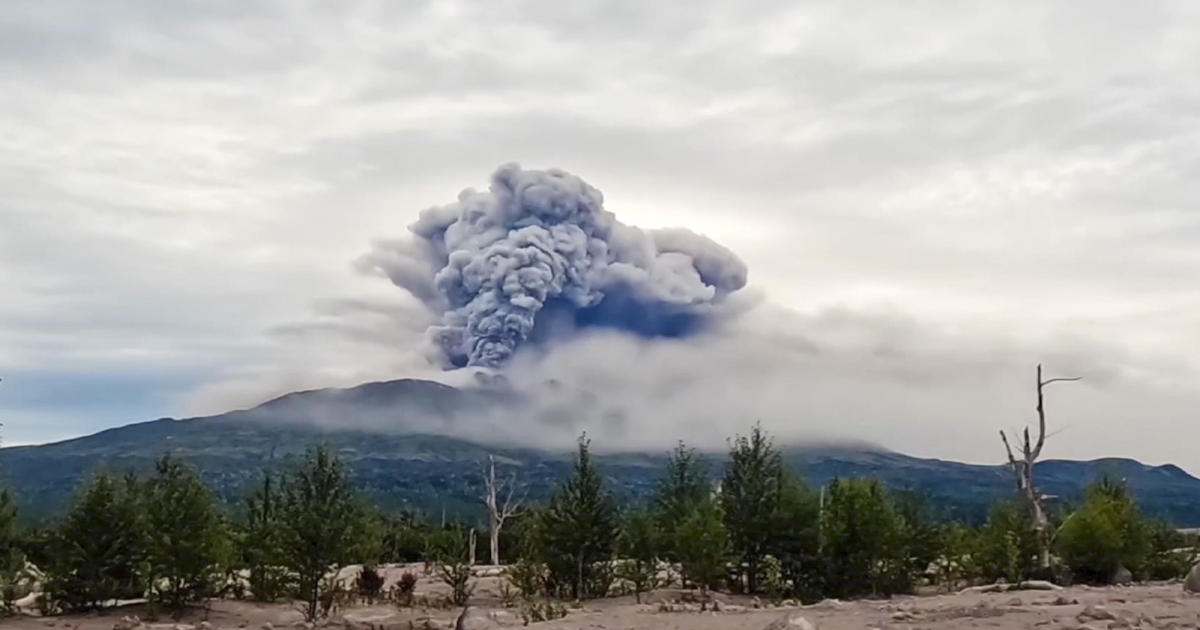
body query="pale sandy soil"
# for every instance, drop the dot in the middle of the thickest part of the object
(1139, 606)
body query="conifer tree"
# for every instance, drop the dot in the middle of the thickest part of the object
(793, 536)
(188, 542)
(703, 546)
(750, 493)
(638, 545)
(578, 528)
(261, 554)
(925, 533)
(99, 548)
(864, 541)
(11, 558)
(682, 488)
(320, 519)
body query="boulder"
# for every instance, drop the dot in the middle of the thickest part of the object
(1095, 613)
(1192, 583)
(1121, 576)
(793, 621)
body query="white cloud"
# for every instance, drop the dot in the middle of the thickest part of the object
(935, 196)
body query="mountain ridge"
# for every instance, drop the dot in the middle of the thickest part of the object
(410, 467)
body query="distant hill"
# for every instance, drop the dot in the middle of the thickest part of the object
(420, 468)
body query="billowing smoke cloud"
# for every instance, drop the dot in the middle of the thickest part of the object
(537, 255)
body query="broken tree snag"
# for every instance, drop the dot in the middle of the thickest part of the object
(499, 510)
(1022, 468)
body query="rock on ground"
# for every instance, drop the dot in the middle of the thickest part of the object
(1121, 576)
(1192, 583)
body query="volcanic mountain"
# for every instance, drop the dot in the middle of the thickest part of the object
(410, 444)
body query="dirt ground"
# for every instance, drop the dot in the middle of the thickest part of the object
(1160, 605)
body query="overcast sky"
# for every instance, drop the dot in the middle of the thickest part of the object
(929, 200)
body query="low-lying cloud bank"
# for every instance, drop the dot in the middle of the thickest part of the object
(830, 374)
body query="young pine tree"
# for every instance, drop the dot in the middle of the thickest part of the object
(865, 541)
(321, 520)
(703, 546)
(578, 528)
(188, 541)
(99, 548)
(260, 543)
(750, 498)
(925, 533)
(11, 558)
(453, 566)
(638, 546)
(682, 488)
(794, 537)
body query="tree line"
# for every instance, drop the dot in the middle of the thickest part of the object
(760, 529)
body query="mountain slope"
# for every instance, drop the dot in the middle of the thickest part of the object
(411, 467)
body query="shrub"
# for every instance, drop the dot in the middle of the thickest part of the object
(533, 611)
(770, 578)
(528, 577)
(956, 562)
(1171, 555)
(457, 575)
(1105, 534)
(1007, 544)
(368, 583)
(333, 595)
(401, 593)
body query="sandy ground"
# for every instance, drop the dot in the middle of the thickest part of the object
(1162, 605)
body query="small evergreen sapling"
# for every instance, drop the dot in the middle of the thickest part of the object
(638, 545)
(98, 549)
(703, 547)
(578, 529)
(368, 583)
(187, 539)
(321, 519)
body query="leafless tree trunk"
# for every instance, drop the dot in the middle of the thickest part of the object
(1023, 470)
(498, 509)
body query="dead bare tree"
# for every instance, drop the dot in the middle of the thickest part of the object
(499, 509)
(1023, 469)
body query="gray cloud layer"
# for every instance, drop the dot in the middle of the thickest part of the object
(931, 199)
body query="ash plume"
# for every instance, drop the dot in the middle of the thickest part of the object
(537, 256)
